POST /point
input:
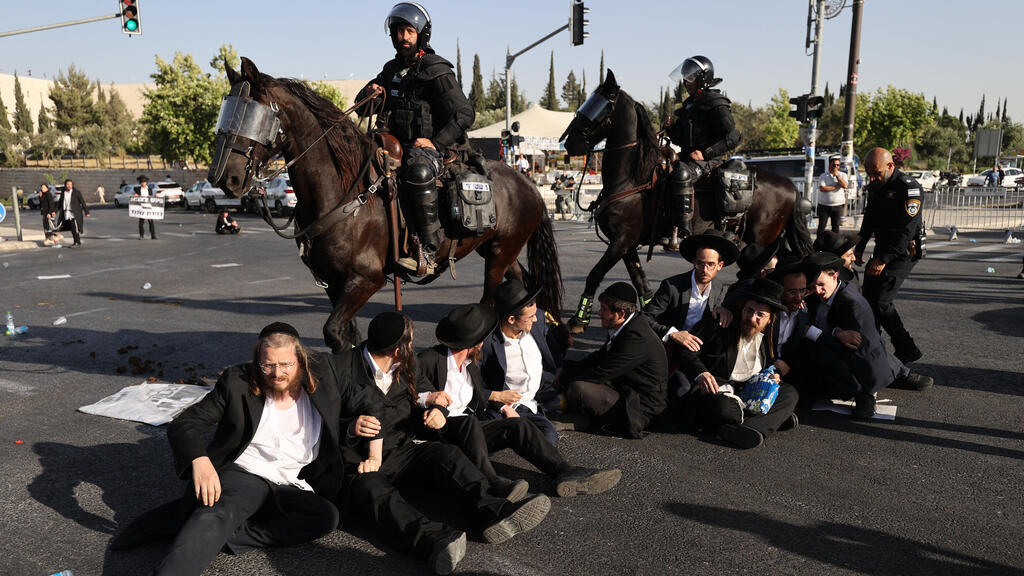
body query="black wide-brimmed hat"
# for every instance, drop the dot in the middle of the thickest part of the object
(764, 291)
(620, 291)
(835, 242)
(385, 331)
(466, 326)
(713, 239)
(511, 296)
(754, 257)
(788, 264)
(815, 263)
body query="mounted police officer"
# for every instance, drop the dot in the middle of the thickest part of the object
(703, 127)
(893, 216)
(425, 109)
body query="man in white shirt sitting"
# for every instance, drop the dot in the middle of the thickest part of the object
(273, 469)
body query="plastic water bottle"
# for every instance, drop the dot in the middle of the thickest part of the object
(61, 320)
(147, 286)
(990, 270)
(63, 573)
(10, 324)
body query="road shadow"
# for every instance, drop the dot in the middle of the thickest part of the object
(1009, 382)
(845, 546)
(1005, 322)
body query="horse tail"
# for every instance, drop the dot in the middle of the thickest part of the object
(542, 256)
(797, 234)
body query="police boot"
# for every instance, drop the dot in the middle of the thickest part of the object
(421, 191)
(680, 202)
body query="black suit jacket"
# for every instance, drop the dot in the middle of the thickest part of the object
(493, 363)
(635, 365)
(399, 416)
(869, 364)
(236, 412)
(791, 349)
(671, 302)
(718, 353)
(78, 208)
(433, 366)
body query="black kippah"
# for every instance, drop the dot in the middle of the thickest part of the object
(279, 328)
(385, 331)
(622, 292)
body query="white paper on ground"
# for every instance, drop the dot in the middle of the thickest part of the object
(154, 403)
(882, 411)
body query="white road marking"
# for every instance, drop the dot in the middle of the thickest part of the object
(269, 280)
(53, 277)
(229, 265)
(16, 388)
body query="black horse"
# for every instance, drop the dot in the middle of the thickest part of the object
(334, 176)
(629, 218)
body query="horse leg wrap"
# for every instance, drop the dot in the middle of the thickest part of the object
(583, 311)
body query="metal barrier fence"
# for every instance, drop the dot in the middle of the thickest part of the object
(974, 208)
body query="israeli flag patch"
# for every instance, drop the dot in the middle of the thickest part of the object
(913, 192)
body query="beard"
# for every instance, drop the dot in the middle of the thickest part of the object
(748, 330)
(406, 52)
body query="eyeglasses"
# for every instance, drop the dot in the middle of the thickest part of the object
(269, 369)
(705, 265)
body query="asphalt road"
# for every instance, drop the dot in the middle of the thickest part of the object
(937, 491)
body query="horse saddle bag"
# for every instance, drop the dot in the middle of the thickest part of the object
(470, 207)
(734, 188)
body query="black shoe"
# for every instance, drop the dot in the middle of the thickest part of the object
(741, 436)
(912, 381)
(511, 490)
(75, 245)
(908, 355)
(520, 518)
(577, 481)
(865, 407)
(791, 423)
(448, 552)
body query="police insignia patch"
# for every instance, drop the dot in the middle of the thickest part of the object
(913, 192)
(913, 207)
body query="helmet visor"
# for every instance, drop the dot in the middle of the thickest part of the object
(687, 72)
(407, 13)
(595, 108)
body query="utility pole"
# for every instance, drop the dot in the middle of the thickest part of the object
(811, 137)
(851, 91)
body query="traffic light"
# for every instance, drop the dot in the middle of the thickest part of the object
(815, 107)
(800, 112)
(129, 10)
(577, 23)
(505, 138)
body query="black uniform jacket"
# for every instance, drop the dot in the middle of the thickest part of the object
(236, 412)
(669, 305)
(635, 365)
(704, 122)
(893, 215)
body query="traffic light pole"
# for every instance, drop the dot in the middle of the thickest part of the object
(812, 127)
(60, 25)
(851, 91)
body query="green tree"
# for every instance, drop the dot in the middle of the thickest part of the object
(43, 122)
(571, 92)
(600, 77)
(329, 92)
(779, 130)
(896, 116)
(458, 64)
(750, 122)
(22, 117)
(495, 99)
(180, 112)
(119, 122)
(73, 106)
(5, 124)
(226, 56)
(476, 91)
(550, 98)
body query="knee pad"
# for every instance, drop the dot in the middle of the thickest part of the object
(682, 174)
(418, 174)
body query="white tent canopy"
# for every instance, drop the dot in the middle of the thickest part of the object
(539, 127)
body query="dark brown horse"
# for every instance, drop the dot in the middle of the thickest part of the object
(631, 155)
(284, 116)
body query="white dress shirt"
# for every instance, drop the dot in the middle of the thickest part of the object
(695, 311)
(381, 378)
(524, 368)
(284, 442)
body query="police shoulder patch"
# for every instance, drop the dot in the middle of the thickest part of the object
(914, 192)
(912, 207)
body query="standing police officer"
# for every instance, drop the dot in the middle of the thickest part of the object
(893, 215)
(425, 109)
(703, 127)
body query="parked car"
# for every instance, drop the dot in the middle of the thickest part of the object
(1010, 176)
(169, 191)
(206, 196)
(926, 178)
(192, 198)
(124, 195)
(32, 200)
(280, 196)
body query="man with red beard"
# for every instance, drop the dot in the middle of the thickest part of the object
(728, 358)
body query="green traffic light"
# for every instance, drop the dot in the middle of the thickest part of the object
(131, 25)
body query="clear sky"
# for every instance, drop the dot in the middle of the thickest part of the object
(955, 51)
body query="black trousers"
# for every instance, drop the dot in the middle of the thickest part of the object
(708, 411)
(834, 212)
(142, 230)
(478, 438)
(880, 292)
(251, 513)
(599, 401)
(539, 419)
(375, 496)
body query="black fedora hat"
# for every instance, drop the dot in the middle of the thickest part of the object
(466, 326)
(815, 263)
(754, 257)
(835, 242)
(788, 264)
(764, 291)
(713, 239)
(511, 296)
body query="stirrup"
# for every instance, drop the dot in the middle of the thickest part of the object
(419, 266)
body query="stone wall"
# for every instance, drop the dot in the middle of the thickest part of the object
(86, 180)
